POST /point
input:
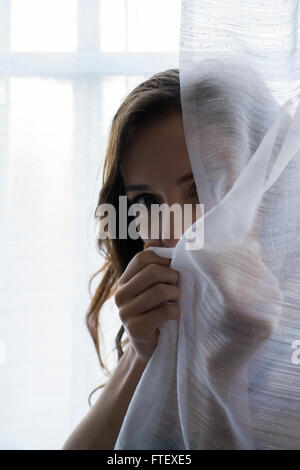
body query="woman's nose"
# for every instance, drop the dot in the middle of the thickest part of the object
(171, 226)
(171, 223)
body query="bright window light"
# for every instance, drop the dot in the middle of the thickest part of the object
(43, 25)
(139, 25)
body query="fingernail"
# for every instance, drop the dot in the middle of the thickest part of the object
(149, 244)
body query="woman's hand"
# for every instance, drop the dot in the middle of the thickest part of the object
(144, 290)
(253, 305)
(234, 331)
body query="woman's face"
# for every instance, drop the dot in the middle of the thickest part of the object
(156, 169)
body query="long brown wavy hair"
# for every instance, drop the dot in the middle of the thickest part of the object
(153, 98)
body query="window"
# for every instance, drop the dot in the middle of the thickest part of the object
(65, 66)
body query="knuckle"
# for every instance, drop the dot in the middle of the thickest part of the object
(123, 314)
(118, 297)
(270, 322)
(121, 278)
(265, 329)
(142, 257)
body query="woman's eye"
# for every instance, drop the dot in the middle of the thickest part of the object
(147, 198)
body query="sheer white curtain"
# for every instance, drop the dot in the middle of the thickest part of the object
(228, 375)
(65, 66)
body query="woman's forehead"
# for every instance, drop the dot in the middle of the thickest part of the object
(159, 146)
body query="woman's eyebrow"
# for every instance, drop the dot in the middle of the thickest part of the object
(140, 187)
(185, 178)
(137, 187)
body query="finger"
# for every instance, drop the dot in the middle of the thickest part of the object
(143, 327)
(152, 274)
(150, 299)
(149, 244)
(139, 261)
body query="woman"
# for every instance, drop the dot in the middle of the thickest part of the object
(146, 160)
(152, 114)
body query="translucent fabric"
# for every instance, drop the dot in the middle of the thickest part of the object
(226, 374)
